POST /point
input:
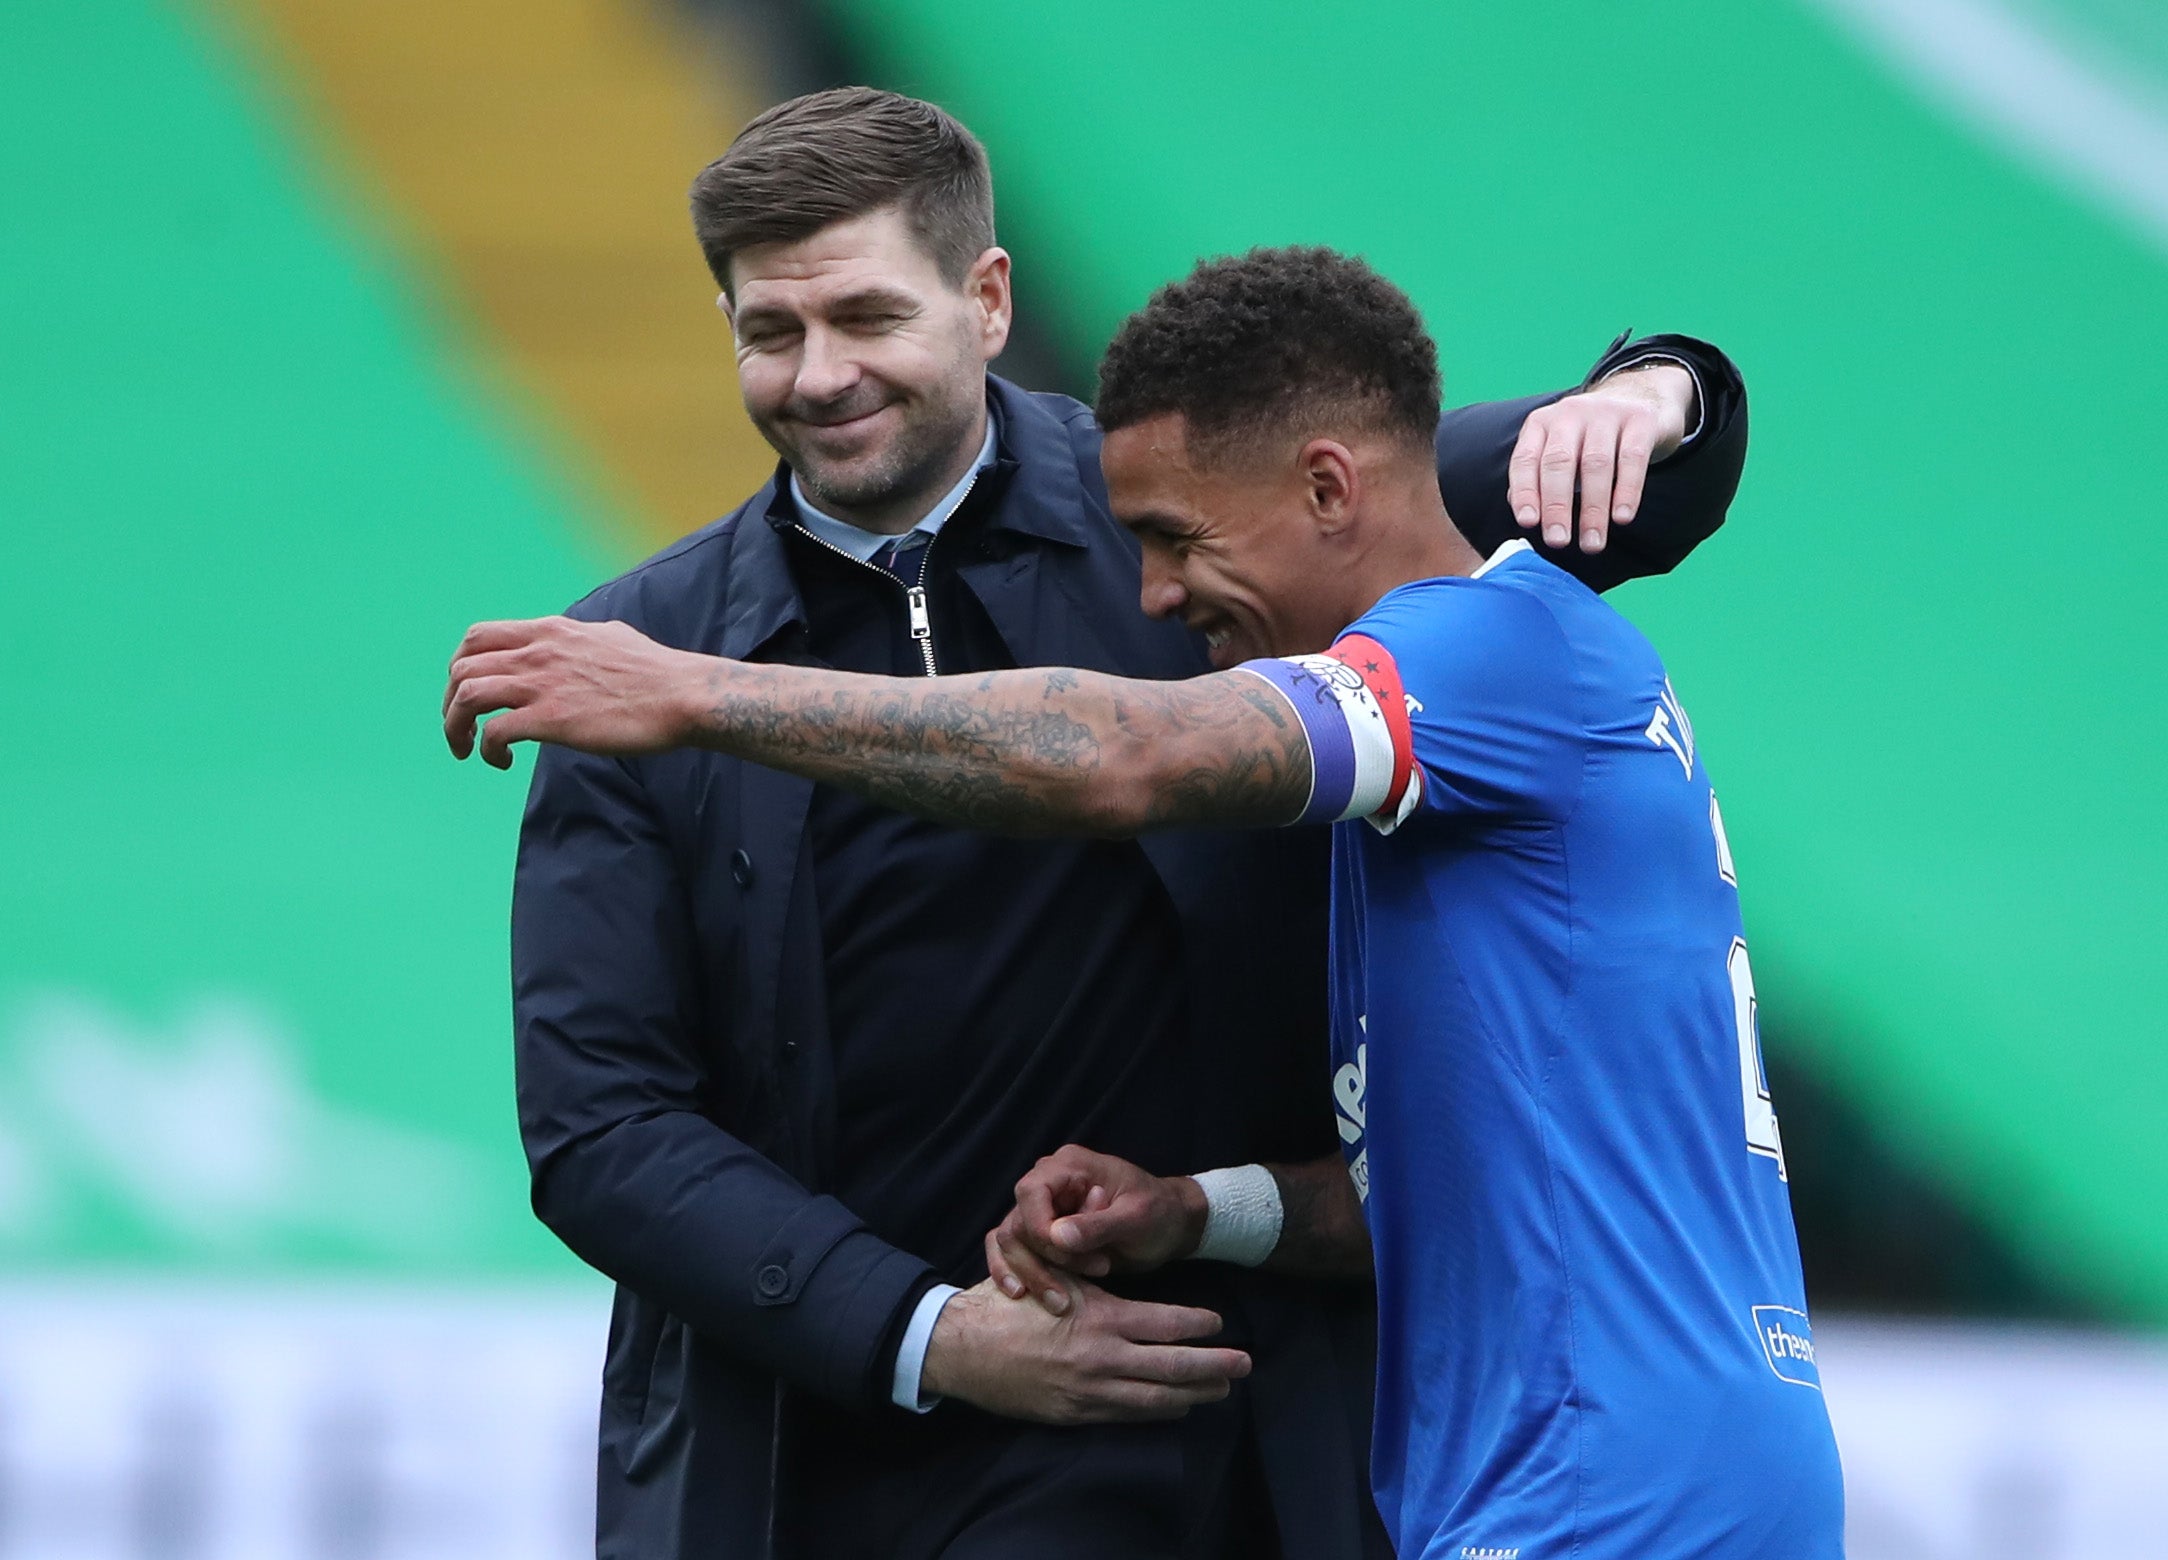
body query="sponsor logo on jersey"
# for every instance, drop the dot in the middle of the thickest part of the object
(1787, 1340)
(1350, 1088)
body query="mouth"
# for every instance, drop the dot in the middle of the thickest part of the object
(1219, 639)
(829, 427)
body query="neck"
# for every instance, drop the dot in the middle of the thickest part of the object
(1417, 540)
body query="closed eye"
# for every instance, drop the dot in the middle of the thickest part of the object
(1161, 530)
(767, 330)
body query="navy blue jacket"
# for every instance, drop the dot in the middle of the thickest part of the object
(675, 1091)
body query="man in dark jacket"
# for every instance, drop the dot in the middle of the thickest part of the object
(783, 1054)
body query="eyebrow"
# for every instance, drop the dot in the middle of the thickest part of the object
(857, 300)
(876, 297)
(1159, 523)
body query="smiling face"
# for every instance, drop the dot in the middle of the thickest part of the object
(864, 366)
(1252, 553)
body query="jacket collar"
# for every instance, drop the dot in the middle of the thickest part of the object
(760, 598)
(1044, 495)
(1037, 492)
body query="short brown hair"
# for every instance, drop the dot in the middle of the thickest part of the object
(830, 156)
(1273, 343)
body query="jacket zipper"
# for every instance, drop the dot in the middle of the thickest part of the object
(914, 596)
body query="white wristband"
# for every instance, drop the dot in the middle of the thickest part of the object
(1242, 1215)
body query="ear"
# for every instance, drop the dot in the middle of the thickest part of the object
(730, 314)
(987, 285)
(1333, 483)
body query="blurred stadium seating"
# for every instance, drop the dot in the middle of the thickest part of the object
(325, 328)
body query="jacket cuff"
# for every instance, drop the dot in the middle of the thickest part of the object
(907, 1379)
(869, 1289)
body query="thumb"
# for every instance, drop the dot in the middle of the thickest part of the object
(1095, 1229)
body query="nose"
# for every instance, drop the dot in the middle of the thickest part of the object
(1162, 594)
(826, 369)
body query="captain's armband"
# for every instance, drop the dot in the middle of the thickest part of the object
(1362, 745)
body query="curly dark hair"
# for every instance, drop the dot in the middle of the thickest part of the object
(1273, 343)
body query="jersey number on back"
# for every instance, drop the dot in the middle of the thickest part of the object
(1762, 1136)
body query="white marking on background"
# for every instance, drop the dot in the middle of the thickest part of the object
(209, 1128)
(2082, 118)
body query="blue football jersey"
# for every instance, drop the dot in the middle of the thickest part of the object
(1593, 1338)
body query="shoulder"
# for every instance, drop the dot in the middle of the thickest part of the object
(1524, 635)
(1042, 420)
(1472, 616)
(657, 592)
(1074, 416)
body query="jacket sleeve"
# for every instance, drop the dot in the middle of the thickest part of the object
(629, 1167)
(1684, 502)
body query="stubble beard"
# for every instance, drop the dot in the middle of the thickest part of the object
(922, 451)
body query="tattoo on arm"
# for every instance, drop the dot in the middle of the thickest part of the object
(1322, 1232)
(1041, 750)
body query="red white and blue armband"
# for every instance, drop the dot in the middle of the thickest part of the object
(1362, 746)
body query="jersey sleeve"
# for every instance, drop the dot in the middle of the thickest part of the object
(1446, 698)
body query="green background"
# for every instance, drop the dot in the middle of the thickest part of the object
(252, 945)
(252, 989)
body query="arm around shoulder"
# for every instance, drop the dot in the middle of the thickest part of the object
(1688, 493)
(1557, 469)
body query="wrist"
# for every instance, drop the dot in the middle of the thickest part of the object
(948, 1348)
(1244, 1215)
(1196, 1213)
(691, 695)
(1670, 389)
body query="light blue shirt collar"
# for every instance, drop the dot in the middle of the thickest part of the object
(861, 543)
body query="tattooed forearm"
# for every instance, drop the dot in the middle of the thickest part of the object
(1322, 1232)
(1043, 750)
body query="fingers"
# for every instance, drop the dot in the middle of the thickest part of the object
(998, 1268)
(1081, 1235)
(1034, 1213)
(1636, 448)
(499, 735)
(1113, 1359)
(1156, 1382)
(510, 634)
(1017, 1269)
(488, 653)
(478, 679)
(1087, 1237)
(1178, 1366)
(1120, 1400)
(1556, 469)
(1130, 1379)
(1599, 457)
(1602, 442)
(1521, 491)
(470, 700)
(1057, 1186)
(1029, 1223)
(1149, 1321)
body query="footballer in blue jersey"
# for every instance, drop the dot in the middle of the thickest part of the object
(1561, 1161)
(1593, 1336)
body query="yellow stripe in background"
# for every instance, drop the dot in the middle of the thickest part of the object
(540, 150)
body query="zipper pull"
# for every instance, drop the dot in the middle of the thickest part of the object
(921, 623)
